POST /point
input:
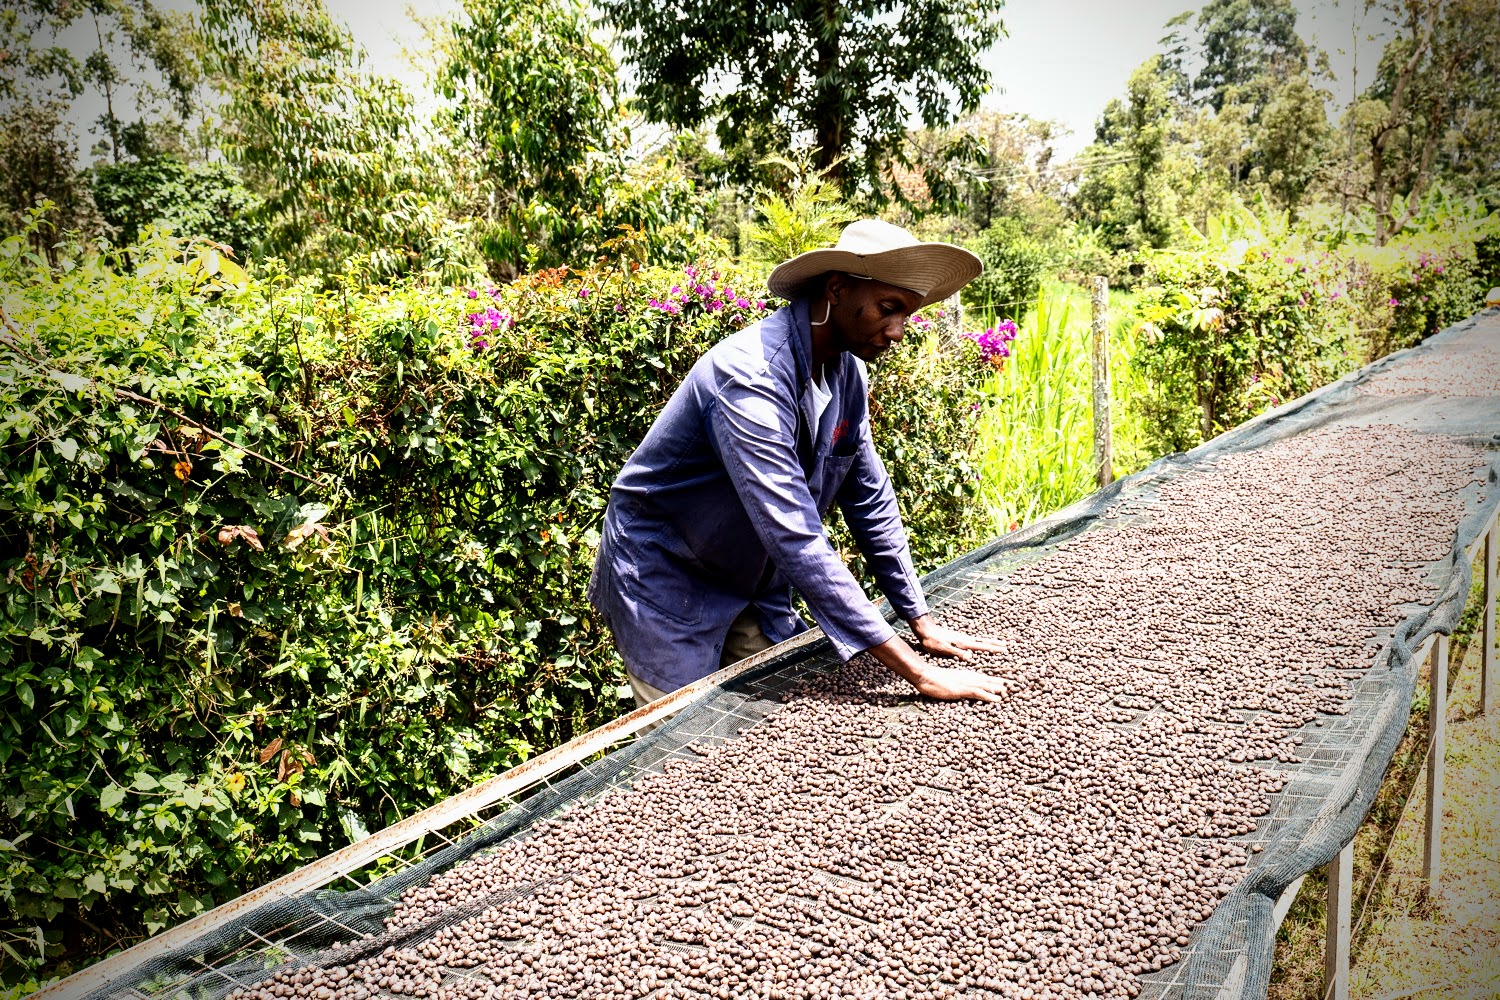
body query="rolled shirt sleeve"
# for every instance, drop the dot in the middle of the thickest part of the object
(868, 502)
(753, 427)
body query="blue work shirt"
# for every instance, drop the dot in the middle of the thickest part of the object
(721, 507)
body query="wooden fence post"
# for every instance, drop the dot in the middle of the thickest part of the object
(1104, 463)
(1437, 733)
(1487, 678)
(1337, 933)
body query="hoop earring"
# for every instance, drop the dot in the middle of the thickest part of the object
(827, 308)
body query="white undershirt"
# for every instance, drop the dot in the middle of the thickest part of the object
(822, 396)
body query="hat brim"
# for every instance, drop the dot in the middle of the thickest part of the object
(932, 270)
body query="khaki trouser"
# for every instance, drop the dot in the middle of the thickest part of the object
(743, 639)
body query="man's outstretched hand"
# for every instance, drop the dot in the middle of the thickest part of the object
(940, 640)
(953, 684)
(944, 683)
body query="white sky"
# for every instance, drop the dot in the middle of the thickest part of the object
(1065, 59)
(1061, 59)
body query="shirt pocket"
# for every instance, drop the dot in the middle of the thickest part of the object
(835, 471)
(661, 581)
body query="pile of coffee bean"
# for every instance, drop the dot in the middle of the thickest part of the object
(861, 842)
(1468, 365)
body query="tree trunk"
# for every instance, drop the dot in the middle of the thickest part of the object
(828, 109)
(1380, 179)
(106, 79)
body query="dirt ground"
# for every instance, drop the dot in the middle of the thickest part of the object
(1420, 945)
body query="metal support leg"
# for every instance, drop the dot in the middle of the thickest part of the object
(1432, 862)
(1487, 679)
(1340, 919)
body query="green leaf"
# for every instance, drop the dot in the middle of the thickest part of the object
(111, 797)
(69, 381)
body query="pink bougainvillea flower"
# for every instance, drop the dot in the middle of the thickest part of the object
(994, 342)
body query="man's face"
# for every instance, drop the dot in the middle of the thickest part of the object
(868, 316)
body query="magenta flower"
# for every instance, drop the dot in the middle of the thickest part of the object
(994, 343)
(490, 319)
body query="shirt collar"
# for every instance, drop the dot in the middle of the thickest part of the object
(802, 338)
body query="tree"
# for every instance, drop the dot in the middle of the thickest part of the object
(845, 75)
(38, 153)
(1248, 46)
(1435, 84)
(535, 117)
(326, 144)
(143, 63)
(1018, 178)
(1129, 191)
(1293, 141)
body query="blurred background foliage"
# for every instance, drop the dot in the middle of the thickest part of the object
(313, 386)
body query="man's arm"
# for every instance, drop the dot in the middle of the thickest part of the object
(868, 502)
(754, 428)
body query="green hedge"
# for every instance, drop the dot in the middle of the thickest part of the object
(1253, 314)
(283, 564)
(1414, 287)
(1242, 322)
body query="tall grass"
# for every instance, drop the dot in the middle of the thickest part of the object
(1034, 436)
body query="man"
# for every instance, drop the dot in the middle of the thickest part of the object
(719, 513)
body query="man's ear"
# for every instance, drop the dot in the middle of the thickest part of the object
(835, 285)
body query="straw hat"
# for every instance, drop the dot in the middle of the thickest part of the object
(870, 248)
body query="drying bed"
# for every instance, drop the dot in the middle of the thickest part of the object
(1208, 666)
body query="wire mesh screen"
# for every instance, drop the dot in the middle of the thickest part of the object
(1315, 804)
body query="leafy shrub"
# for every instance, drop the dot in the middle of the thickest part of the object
(1014, 265)
(809, 214)
(1412, 288)
(1487, 259)
(922, 403)
(1246, 319)
(204, 199)
(282, 564)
